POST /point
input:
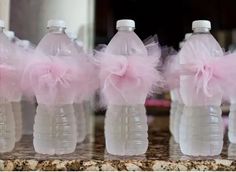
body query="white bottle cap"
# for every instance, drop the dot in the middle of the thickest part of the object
(9, 34)
(187, 36)
(181, 44)
(2, 23)
(125, 23)
(56, 23)
(201, 24)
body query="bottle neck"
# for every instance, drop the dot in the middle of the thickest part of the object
(125, 28)
(201, 30)
(55, 29)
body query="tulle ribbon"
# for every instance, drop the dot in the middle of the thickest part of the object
(53, 75)
(52, 79)
(132, 77)
(218, 71)
(203, 73)
(118, 71)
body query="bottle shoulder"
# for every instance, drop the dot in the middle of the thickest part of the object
(126, 43)
(200, 46)
(56, 44)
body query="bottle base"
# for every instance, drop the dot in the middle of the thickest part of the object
(202, 148)
(52, 150)
(129, 151)
(201, 131)
(6, 147)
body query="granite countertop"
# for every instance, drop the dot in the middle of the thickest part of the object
(163, 154)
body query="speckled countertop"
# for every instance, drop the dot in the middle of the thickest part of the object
(163, 154)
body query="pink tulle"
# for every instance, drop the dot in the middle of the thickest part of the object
(51, 81)
(212, 73)
(88, 81)
(9, 80)
(11, 69)
(198, 85)
(171, 71)
(129, 79)
(60, 80)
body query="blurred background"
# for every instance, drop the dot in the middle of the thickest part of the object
(93, 21)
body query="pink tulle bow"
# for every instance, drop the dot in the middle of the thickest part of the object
(128, 79)
(52, 75)
(213, 72)
(117, 69)
(52, 81)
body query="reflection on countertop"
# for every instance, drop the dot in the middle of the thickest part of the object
(163, 154)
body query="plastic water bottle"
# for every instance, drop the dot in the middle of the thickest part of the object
(17, 112)
(126, 126)
(89, 111)
(7, 121)
(177, 103)
(201, 126)
(80, 121)
(7, 127)
(55, 129)
(79, 108)
(231, 124)
(16, 105)
(173, 107)
(28, 108)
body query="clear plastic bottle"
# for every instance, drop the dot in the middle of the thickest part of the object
(176, 122)
(16, 105)
(7, 127)
(81, 121)
(173, 107)
(28, 107)
(55, 130)
(201, 125)
(231, 124)
(79, 108)
(16, 108)
(177, 103)
(126, 126)
(7, 121)
(89, 111)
